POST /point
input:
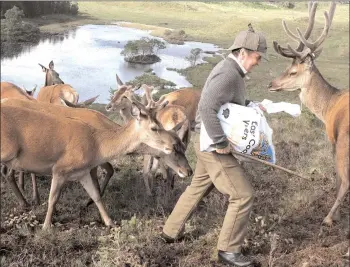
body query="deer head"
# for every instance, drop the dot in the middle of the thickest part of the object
(171, 117)
(119, 100)
(178, 162)
(151, 132)
(298, 74)
(52, 77)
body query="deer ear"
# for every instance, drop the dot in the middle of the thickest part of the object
(119, 81)
(135, 111)
(44, 69)
(51, 65)
(162, 105)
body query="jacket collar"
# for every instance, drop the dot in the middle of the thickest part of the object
(242, 71)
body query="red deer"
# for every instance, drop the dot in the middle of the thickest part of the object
(328, 103)
(173, 116)
(55, 89)
(186, 97)
(69, 148)
(9, 90)
(176, 160)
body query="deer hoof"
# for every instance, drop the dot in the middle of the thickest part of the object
(36, 201)
(110, 224)
(347, 254)
(328, 221)
(336, 216)
(47, 226)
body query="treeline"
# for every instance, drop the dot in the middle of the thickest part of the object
(37, 8)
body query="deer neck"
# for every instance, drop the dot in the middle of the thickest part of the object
(126, 115)
(317, 94)
(111, 143)
(147, 150)
(47, 80)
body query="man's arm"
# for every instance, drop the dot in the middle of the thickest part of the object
(218, 92)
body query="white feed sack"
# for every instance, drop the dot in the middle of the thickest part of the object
(247, 129)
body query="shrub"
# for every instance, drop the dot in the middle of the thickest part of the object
(15, 30)
(194, 56)
(13, 19)
(74, 9)
(167, 32)
(175, 37)
(141, 50)
(288, 4)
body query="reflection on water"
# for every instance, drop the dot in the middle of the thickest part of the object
(89, 58)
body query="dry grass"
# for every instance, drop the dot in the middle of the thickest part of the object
(285, 206)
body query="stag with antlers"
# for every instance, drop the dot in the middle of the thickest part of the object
(328, 103)
(173, 117)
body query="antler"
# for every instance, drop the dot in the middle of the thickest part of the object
(148, 93)
(320, 40)
(151, 104)
(301, 51)
(128, 91)
(123, 91)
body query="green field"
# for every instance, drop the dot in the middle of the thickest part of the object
(290, 207)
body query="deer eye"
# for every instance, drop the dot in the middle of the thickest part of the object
(292, 73)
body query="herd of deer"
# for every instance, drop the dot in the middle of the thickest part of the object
(75, 140)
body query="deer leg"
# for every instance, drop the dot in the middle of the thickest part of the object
(170, 178)
(89, 185)
(35, 197)
(340, 197)
(10, 177)
(55, 191)
(147, 166)
(342, 164)
(94, 178)
(336, 216)
(4, 170)
(110, 171)
(21, 181)
(165, 171)
(185, 133)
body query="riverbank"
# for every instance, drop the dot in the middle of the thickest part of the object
(223, 19)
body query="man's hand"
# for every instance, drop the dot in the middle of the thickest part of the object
(262, 108)
(225, 150)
